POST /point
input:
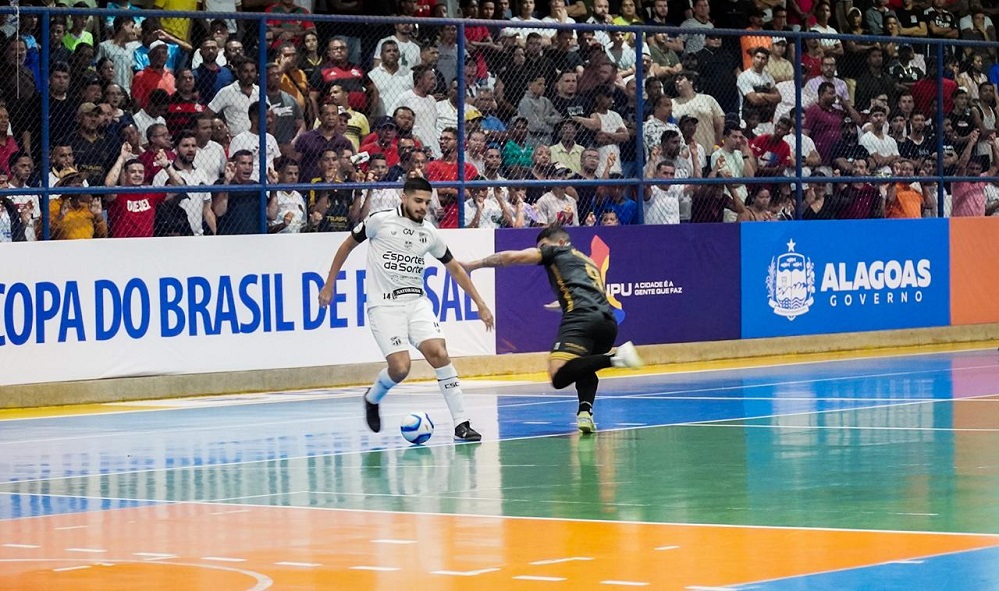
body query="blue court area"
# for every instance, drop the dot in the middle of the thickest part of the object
(892, 444)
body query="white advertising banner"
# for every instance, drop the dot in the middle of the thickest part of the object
(89, 309)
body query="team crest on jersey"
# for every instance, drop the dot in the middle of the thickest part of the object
(791, 283)
(408, 245)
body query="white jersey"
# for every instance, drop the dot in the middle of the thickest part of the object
(396, 252)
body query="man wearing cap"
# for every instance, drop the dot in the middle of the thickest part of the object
(385, 141)
(389, 77)
(753, 38)
(312, 144)
(153, 76)
(904, 70)
(152, 32)
(719, 67)
(90, 148)
(355, 123)
(77, 216)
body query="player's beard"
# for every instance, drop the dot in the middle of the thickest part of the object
(409, 214)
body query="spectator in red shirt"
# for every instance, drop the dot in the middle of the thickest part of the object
(385, 142)
(361, 92)
(288, 31)
(132, 215)
(446, 169)
(154, 76)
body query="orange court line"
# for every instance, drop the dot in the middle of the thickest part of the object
(222, 547)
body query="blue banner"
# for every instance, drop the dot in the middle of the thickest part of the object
(803, 278)
(667, 284)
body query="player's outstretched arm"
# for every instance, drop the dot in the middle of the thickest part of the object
(326, 293)
(505, 258)
(465, 282)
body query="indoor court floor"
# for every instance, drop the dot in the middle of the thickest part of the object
(865, 471)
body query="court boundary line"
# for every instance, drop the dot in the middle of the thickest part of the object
(621, 522)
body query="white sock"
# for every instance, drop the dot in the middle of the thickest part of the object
(383, 383)
(447, 381)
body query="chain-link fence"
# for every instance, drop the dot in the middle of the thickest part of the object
(142, 123)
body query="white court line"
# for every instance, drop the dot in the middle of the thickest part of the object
(850, 568)
(667, 548)
(625, 583)
(263, 581)
(87, 550)
(27, 546)
(464, 573)
(480, 516)
(150, 556)
(65, 527)
(377, 569)
(222, 559)
(560, 560)
(69, 568)
(839, 427)
(537, 578)
(302, 564)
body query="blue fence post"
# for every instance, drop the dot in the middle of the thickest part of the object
(938, 123)
(43, 70)
(798, 85)
(262, 115)
(462, 95)
(639, 131)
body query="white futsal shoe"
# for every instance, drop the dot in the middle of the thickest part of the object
(627, 356)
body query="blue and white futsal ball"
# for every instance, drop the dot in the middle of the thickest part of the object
(417, 427)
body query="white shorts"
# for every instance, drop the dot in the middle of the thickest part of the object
(396, 327)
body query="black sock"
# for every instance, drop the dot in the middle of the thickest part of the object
(586, 390)
(579, 367)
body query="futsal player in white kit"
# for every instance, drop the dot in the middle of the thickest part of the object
(399, 312)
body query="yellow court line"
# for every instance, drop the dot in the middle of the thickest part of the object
(70, 410)
(690, 366)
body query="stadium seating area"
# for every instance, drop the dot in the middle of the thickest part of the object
(121, 119)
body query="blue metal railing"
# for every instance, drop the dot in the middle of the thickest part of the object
(638, 181)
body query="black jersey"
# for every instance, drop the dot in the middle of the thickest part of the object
(575, 279)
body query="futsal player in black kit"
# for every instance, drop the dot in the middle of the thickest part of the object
(588, 328)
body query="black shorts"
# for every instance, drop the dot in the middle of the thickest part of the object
(590, 333)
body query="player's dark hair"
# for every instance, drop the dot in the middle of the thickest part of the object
(416, 184)
(553, 232)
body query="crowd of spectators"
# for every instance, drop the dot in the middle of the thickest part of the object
(140, 101)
